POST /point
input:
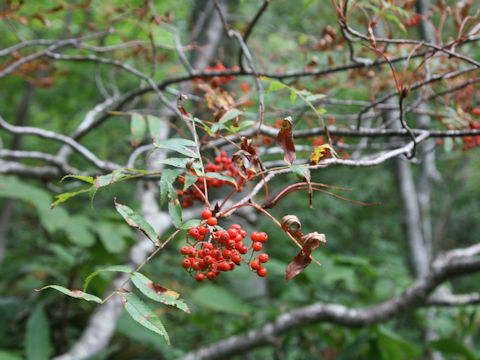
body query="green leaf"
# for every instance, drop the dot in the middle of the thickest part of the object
(157, 292)
(38, 345)
(190, 179)
(301, 171)
(53, 219)
(189, 224)
(393, 346)
(314, 97)
(219, 299)
(351, 351)
(179, 145)
(73, 293)
(142, 314)
(274, 85)
(114, 268)
(137, 221)
(205, 126)
(77, 229)
(88, 179)
(111, 238)
(229, 115)
(174, 207)
(293, 96)
(154, 126)
(138, 126)
(176, 162)
(11, 355)
(65, 196)
(114, 176)
(166, 181)
(221, 177)
(450, 346)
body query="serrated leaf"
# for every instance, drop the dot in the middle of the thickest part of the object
(174, 207)
(137, 222)
(138, 127)
(38, 344)
(229, 115)
(141, 313)
(157, 292)
(221, 177)
(190, 179)
(115, 268)
(114, 176)
(179, 145)
(166, 181)
(73, 293)
(65, 196)
(176, 162)
(205, 126)
(87, 179)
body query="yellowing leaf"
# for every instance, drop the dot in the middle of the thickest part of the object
(324, 151)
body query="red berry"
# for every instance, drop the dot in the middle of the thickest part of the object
(186, 263)
(261, 271)
(202, 230)
(255, 236)
(476, 111)
(199, 277)
(242, 232)
(212, 221)
(211, 275)
(263, 237)
(257, 246)
(223, 266)
(216, 254)
(223, 154)
(193, 232)
(233, 234)
(236, 227)
(255, 265)
(195, 265)
(184, 250)
(236, 259)
(263, 257)
(206, 214)
(192, 251)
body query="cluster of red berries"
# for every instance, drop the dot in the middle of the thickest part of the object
(217, 80)
(221, 251)
(468, 141)
(222, 165)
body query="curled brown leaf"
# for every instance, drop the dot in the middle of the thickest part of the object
(285, 140)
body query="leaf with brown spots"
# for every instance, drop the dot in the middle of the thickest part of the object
(157, 292)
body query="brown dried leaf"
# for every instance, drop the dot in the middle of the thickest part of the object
(285, 140)
(291, 224)
(296, 266)
(312, 240)
(181, 98)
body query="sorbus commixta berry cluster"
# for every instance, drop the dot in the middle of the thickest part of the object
(217, 80)
(222, 165)
(221, 251)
